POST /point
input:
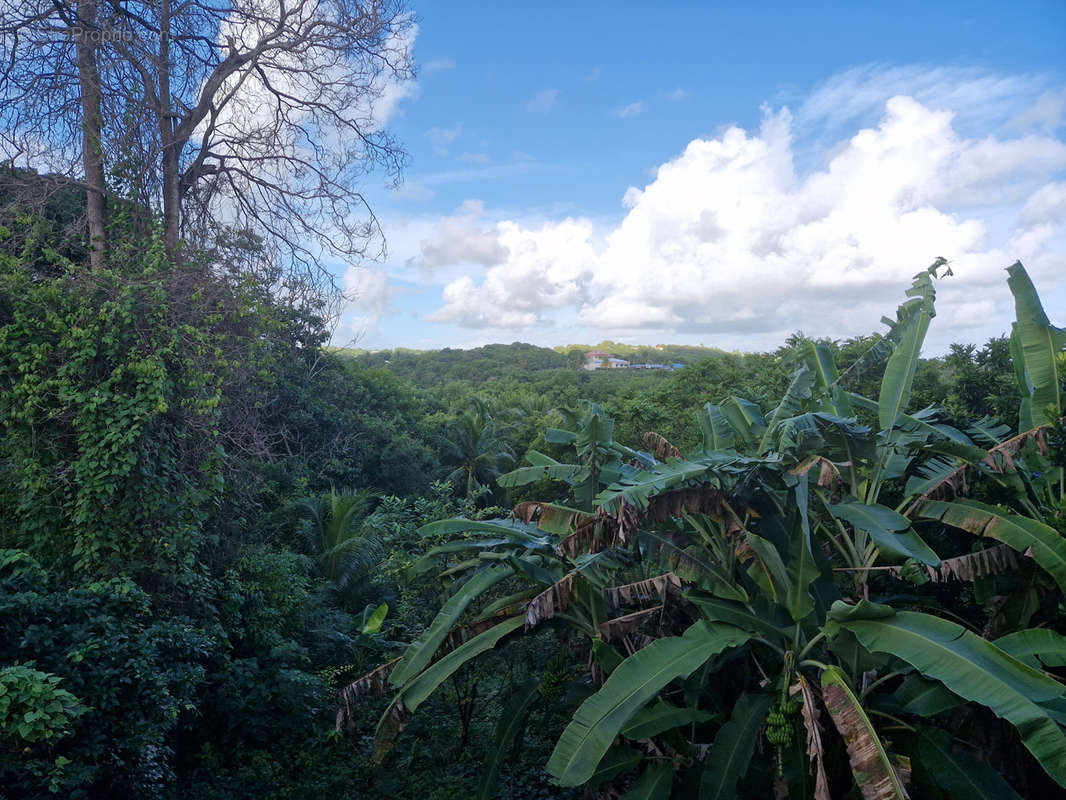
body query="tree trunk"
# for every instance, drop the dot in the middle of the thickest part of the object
(92, 128)
(170, 156)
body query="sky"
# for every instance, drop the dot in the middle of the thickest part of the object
(714, 173)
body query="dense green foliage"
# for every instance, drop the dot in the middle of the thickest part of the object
(214, 527)
(720, 593)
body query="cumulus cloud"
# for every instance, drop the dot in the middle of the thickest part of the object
(462, 239)
(632, 110)
(731, 239)
(543, 101)
(543, 268)
(369, 297)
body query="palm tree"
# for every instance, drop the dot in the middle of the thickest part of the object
(478, 448)
(340, 536)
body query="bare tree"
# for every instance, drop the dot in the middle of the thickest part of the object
(256, 114)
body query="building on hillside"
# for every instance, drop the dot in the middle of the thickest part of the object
(596, 359)
(617, 363)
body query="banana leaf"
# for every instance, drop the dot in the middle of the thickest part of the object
(941, 765)
(512, 719)
(631, 685)
(420, 652)
(972, 668)
(889, 529)
(655, 783)
(1021, 533)
(874, 774)
(731, 752)
(1035, 344)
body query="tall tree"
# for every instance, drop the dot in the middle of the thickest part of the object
(92, 125)
(256, 114)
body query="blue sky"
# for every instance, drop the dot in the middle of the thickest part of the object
(703, 173)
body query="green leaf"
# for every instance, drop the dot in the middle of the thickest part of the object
(415, 692)
(772, 568)
(510, 600)
(819, 360)
(632, 684)
(526, 475)
(976, 670)
(729, 756)
(373, 622)
(718, 610)
(512, 718)
(802, 568)
(503, 528)
(606, 656)
(1020, 533)
(889, 529)
(1036, 647)
(655, 783)
(798, 392)
(924, 697)
(419, 653)
(649, 722)
(1035, 345)
(912, 323)
(718, 434)
(745, 418)
(956, 773)
(619, 759)
(557, 436)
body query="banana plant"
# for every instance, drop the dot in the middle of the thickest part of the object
(749, 667)
(600, 459)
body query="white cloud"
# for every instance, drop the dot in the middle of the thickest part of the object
(543, 101)
(442, 138)
(978, 96)
(631, 110)
(677, 94)
(543, 268)
(369, 296)
(1046, 113)
(438, 65)
(475, 158)
(731, 239)
(462, 239)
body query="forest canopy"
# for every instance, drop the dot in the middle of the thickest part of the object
(239, 561)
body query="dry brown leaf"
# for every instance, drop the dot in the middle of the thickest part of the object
(659, 446)
(550, 516)
(998, 560)
(816, 753)
(623, 626)
(1000, 459)
(872, 775)
(828, 472)
(553, 599)
(665, 585)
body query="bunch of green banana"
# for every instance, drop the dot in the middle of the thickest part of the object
(557, 674)
(913, 572)
(780, 723)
